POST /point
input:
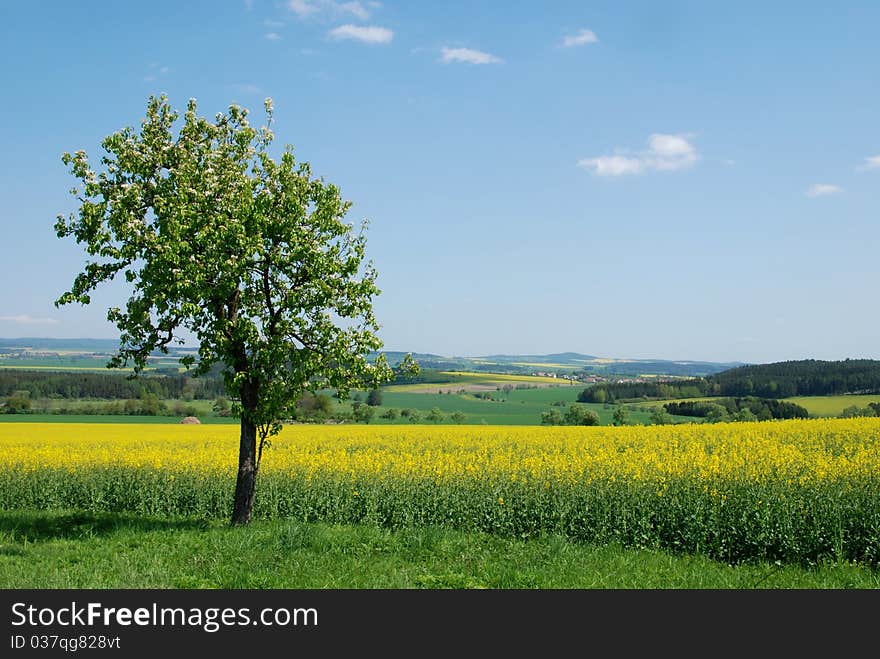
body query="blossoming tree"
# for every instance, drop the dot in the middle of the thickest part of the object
(249, 254)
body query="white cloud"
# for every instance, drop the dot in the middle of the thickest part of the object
(25, 319)
(665, 152)
(823, 189)
(468, 55)
(306, 8)
(582, 38)
(365, 34)
(871, 162)
(612, 165)
(355, 9)
(273, 36)
(302, 8)
(670, 146)
(270, 23)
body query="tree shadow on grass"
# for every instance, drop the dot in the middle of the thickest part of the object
(42, 526)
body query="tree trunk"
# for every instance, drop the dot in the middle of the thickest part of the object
(246, 482)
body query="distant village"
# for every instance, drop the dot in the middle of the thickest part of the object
(592, 378)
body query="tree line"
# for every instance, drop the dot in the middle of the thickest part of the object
(762, 409)
(112, 386)
(808, 377)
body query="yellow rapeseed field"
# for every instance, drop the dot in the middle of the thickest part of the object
(795, 449)
(798, 490)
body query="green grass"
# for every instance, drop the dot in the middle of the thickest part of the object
(510, 412)
(69, 549)
(517, 407)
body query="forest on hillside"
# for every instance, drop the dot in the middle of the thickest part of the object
(809, 377)
(114, 386)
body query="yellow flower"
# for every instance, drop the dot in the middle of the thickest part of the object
(798, 452)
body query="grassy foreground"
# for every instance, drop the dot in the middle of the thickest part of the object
(70, 549)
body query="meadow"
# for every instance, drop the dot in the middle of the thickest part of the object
(481, 381)
(830, 406)
(73, 549)
(794, 492)
(514, 407)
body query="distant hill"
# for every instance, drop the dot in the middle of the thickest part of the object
(560, 363)
(425, 360)
(573, 361)
(569, 362)
(663, 367)
(79, 354)
(58, 345)
(559, 357)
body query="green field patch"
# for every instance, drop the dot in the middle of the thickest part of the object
(479, 382)
(504, 377)
(831, 406)
(30, 366)
(520, 407)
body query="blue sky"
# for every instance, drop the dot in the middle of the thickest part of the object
(678, 180)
